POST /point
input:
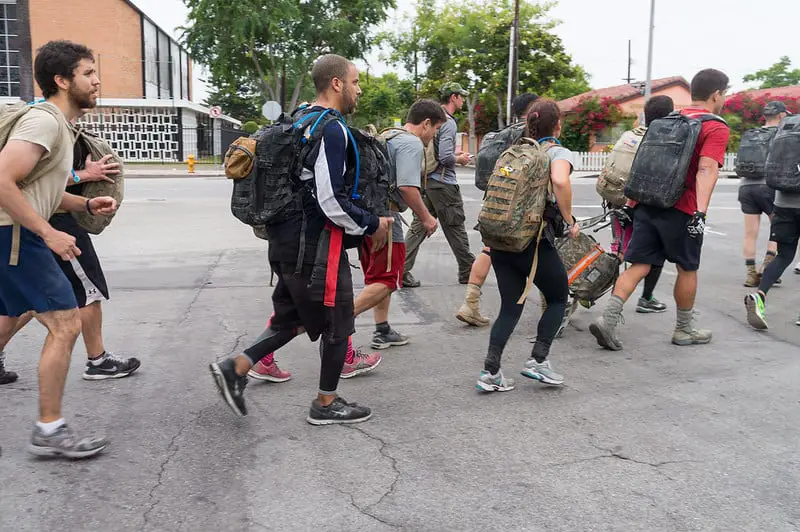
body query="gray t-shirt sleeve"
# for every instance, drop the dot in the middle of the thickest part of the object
(447, 143)
(560, 153)
(408, 155)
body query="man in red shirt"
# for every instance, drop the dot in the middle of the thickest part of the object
(676, 234)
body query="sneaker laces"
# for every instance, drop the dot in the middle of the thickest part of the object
(115, 358)
(360, 354)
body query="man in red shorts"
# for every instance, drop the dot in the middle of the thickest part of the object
(382, 273)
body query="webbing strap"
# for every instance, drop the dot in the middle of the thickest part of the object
(389, 253)
(534, 266)
(13, 260)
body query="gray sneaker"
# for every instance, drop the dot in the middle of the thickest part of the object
(494, 383)
(650, 306)
(65, 442)
(385, 340)
(691, 336)
(606, 336)
(542, 372)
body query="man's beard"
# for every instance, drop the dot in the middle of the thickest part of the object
(348, 102)
(82, 100)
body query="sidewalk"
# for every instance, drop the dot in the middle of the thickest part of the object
(173, 170)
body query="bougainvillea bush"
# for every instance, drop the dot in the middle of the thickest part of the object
(591, 116)
(743, 112)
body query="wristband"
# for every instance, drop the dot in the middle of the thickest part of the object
(88, 207)
(75, 176)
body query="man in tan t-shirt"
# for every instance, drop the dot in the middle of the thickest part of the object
(34, 165)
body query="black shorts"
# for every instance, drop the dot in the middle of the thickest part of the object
(296, 304)
(84, 272)
(659, 235)
(785, 226)
(756, 199)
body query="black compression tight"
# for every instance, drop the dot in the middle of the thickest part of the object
(775, 269)
(512, 270)
(651, 280)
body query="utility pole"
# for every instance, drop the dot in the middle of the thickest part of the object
(513, 62)
(416, 64)
(648, 88)
(629, 79)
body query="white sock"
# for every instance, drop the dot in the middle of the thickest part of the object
(97, 361)
(49, 428)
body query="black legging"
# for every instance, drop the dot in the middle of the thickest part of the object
(775, 269)
(651, 281)
(512, 270)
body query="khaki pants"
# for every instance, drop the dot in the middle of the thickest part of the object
(445, 204)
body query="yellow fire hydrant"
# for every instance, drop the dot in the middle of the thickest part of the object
(190, 163)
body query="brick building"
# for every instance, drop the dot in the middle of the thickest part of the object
(145, 108)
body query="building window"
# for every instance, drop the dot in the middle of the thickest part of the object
(175, 70)
(9, 49)
(150, 60)
(163, 66)
(185, 76)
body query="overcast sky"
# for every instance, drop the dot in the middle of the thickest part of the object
(733, 36)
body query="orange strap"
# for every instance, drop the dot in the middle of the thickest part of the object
(584, 263)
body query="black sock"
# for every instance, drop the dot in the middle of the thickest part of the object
(382, 327)
(98, 357)
(772, 254)
(750, 262)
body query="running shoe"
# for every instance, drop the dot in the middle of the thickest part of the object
(542, 372)
(756, 312)
(798, 321)
(797, 268)
(650, 306)
(362, 363)
(493, 383)
(339, 412)
(268, 372)
(111, 367)
(6, 377)
(230, 385)
(65, 442)
(385, 340)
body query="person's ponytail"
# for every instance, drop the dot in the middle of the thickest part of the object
(543, 119)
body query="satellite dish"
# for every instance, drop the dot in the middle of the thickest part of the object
(271, 110)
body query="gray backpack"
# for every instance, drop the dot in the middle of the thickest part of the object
(492, 146)
(783, 162)
(751, 160)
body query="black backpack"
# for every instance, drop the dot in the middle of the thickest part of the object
(492, 146)
(272, 192)
(783, 162)
(368, 178)
(659, 170)
(751, 161)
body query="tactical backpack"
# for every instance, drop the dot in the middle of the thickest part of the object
(272, 192)
(751, 160)
(512, 216)
(98, 148)
(396, 201)
(492, 146)
(660, 167)
(611, 182)
(783, 162)
(368, 179)
(591, 271)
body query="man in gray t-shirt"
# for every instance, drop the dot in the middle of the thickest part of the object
(442, 193)
(383, 269)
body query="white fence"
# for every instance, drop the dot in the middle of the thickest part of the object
(594, 162)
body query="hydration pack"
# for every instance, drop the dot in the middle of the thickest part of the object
(611, 182)
(660, 167)
(492, 146)
(751, 161)
(368, 178)
(783, 162)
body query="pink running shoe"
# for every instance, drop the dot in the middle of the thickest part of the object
(361, 363)
(268, 372)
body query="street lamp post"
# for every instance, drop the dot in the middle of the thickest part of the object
(513, 62)
(648, 88)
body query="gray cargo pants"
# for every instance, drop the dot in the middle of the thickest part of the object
(445, 204)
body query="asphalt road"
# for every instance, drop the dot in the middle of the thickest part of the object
(654, 437)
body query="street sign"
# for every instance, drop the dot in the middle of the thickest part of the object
(215, 111)
(271, 110)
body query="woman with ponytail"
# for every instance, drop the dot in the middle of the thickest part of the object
(512, 269)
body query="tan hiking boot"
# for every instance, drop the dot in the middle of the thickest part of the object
(470, 311)
(753, 277)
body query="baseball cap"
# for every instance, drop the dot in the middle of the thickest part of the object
(775, 108)
(452, 88)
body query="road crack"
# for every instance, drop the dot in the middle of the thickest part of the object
(613, 453)
(203, 283)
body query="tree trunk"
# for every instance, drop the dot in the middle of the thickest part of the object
(266, 90)
(472, 100)
(296, 93)
(501, 122)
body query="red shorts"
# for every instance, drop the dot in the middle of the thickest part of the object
(375, 264)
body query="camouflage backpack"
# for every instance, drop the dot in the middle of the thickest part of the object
(611, 183)
(590, 270)
(512, 215)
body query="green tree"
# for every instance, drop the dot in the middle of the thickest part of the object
(272, 43)
(468, 43)
(568, 87)
(383, 99)
(778, 75)
(240, 100)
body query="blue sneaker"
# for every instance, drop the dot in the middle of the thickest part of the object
(542, 372)
(494, 383)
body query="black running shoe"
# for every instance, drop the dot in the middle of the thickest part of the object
(112, 367)
(6, 377)
(230, 385)
(338, 412)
